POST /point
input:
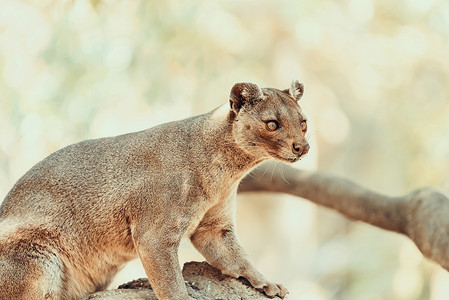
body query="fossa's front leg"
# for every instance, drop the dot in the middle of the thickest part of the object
(158, 251)
(216, 240)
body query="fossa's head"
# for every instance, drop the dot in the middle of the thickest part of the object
(269, 122)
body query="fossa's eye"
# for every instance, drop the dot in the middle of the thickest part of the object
(272, 125)
(303, 126)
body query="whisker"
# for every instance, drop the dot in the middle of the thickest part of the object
(251, 175)
(282, 173)
(263, 174)
(272, 172)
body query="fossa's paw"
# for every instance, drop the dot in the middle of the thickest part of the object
(271, 289)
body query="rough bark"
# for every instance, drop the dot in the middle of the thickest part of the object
(202, 280)
(422, 215)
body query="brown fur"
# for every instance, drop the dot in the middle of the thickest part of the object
(72, 221)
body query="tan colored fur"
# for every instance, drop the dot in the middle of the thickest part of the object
(73, 220)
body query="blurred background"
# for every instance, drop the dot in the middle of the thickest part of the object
(377, 96)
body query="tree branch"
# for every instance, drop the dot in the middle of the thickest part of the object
(202, 281)
(422, 215)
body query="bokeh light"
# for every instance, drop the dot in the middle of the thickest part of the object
(377, 97)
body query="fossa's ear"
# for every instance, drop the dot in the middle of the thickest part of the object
(296, 90)
(243, 94)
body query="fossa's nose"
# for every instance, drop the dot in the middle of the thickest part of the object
(300, 148)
